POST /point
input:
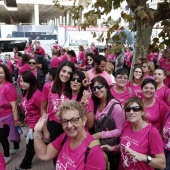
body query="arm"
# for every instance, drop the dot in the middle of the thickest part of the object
(158, 161)
(90, 119)
(15, 112)
(43, 151)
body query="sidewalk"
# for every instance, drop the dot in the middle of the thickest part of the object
(36, 163)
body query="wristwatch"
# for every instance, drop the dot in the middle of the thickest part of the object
(149, 159)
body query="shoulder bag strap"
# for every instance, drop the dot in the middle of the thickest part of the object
(111, 108)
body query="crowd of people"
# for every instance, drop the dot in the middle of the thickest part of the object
(63, 101)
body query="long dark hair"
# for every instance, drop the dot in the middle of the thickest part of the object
(81, 77)
(29, 77)
(25, 58)
(109, 95)
(57, 85)
(8, 76)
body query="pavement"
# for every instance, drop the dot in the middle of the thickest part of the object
(37, 164)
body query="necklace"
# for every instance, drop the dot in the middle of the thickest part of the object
(75, 145)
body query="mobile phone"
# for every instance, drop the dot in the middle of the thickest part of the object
(19, 130)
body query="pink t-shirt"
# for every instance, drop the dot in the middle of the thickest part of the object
(122, 97)
(163, 94)
(19, 63)
(7, 94)
(142, 141)
(136, 89)
(24, 68)
(53, 101)
(81, 55)
(55, 62)
(162, 63)
(2, 162)
(62, 58)
(1, 61)
(73, 60)
(166, 133)
(31, 108)
(73, 159)
(118, 117)
(128, 58)
(110, 57)
(103, 74)
(9, 65)
(28, 49)
(157, 114)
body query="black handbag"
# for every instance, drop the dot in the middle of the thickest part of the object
(106, 123)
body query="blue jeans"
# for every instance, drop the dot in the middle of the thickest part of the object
(167, 155)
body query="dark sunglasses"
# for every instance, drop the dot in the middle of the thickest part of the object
(75, 78)
(89, 59)
(134, 108)
(32, 63)
(99, 86)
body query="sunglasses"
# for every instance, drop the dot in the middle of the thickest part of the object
(99, 86)
(75, 78)
(89, 59)
(32, 63)
(134, 108)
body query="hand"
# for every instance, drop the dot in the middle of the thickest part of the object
(97, 135)
(16, 123)
(46, 134)
(107, 148)
(136, 155)
(41, 123)
(29, 135)
(86, 82)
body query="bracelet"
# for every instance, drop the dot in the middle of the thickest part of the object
(39, 136)
(16, 120)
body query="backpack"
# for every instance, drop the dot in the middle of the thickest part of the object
(106, 123)
(91, 145)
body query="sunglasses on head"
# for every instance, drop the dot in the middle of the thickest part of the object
(99, 86)
(75, 78)
(32, 63)
(134, 108)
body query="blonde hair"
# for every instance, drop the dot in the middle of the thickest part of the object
(151, 67)
(71, 105)
(109, 66)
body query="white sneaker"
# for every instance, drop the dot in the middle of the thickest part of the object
(14, 151)
(7, 159)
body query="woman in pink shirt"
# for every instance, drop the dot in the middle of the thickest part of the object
(103, 100)
(137, 78)
(162, 92)
(30, 105)
(8, 113)
(63, 56)
(81, 54)
(156, 110)
(71, 56)
(53, 94)
(148, 68)
(8, 63)
(70, 148)
(55, 62)
(79, 94)
(141, 145)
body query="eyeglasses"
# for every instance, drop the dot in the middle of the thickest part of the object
(134, 108)
(99, 86)
(32, 63)
(89, 59)
(73, 121)
(122, 78)
(75, 78)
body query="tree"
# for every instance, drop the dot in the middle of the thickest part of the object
(142, 21)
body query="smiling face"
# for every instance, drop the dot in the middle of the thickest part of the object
(145, 68)
(134, 113)
(99, 90)
(137, 73)
(75, 83)
(121, 80)
(72, 123)
(89, 60)
(100, 68)
(159, 76)
(65, 73)
(148, 91)
(24, 85)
